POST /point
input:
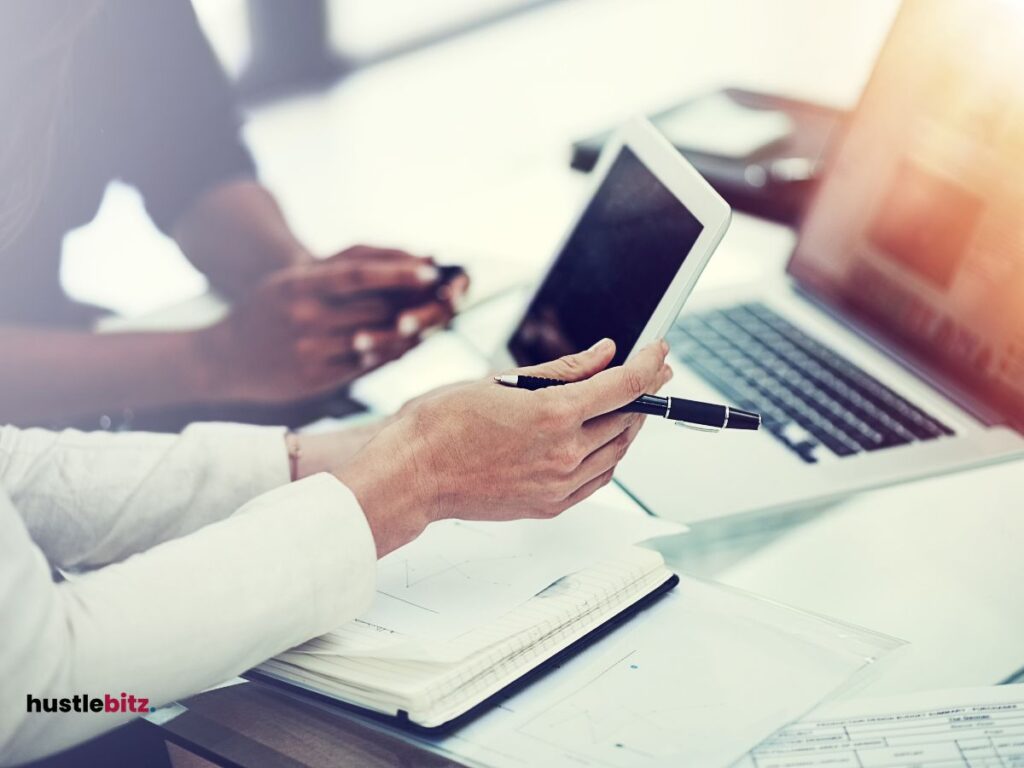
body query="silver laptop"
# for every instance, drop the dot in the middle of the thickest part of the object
(893, 348)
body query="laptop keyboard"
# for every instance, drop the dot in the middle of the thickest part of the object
(810, 398)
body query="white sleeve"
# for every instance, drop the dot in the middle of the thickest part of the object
(90, 499)
(292, 564)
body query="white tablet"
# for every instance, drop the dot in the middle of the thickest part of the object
(631, 258)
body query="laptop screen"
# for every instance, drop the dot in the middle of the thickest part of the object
(917, 232)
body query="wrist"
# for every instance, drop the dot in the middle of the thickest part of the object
(330, 450)
(206, 379)
(395, 500)
(197, 377)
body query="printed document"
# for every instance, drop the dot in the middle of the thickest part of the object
(958, 728)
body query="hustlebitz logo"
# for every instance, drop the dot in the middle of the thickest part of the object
(83, 702)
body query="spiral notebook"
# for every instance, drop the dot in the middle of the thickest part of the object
(484, 665)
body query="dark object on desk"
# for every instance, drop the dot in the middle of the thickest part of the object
(449, 272)
(774, 181)
(414, 297)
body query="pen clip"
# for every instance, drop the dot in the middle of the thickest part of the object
(697, 427)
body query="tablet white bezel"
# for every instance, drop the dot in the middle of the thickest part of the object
(666, 164)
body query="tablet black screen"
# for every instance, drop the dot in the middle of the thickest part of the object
(614, 269)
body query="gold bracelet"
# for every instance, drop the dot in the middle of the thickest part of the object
(291, 440)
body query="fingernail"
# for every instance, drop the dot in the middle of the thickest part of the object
(602, 344)
(363, 342)
(408, 325)
(427, 274)
(664, 347)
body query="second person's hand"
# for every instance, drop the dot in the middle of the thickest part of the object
(311, 329)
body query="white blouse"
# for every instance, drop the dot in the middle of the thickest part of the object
(180, 591)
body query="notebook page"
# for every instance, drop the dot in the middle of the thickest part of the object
(459, 575)
(555, 606)
(362, 638)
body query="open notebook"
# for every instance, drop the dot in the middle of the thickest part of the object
(479, 667)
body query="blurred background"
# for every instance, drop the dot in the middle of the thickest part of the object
(447, 126)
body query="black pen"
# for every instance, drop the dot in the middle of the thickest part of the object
(707, 417)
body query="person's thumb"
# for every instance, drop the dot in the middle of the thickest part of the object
(576, 367)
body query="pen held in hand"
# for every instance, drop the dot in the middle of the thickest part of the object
(706, 417)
